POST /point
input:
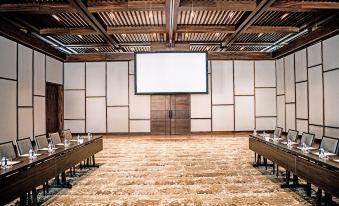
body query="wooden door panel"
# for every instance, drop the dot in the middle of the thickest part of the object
(182, 102)
(159, 126)
(181, 114)
(160, 102)
(180, 126)
(159, 114)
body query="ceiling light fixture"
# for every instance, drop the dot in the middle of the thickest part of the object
(55, 17)
(186, 35)
(217, 34)
(242, 48)
(284, 16)
(231, 14)
(111, 15)
(150, 14)
(123, 35)
(97, 49)
(207, 48)
(259, 35)
(154, 35)
(192, 13)
(80, 36)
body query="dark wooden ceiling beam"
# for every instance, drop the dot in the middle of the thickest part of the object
(171, 15)
(37, 8)
(67, 31)
(92, 21)
(255, 14)
(303, 6)
(322, 32)
(218, 5)
(232, 29)
(9, 30)
(117, 56)
(239, 55)
(130, 56)
(272, 29)
(136, 30)
(107, 6)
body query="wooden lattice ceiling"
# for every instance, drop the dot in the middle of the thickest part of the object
(108, 26)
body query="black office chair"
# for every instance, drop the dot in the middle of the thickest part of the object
(278, 131)
(292, 135)
(7, 149)
(41, 141)
(307, 138)
(329, 144)
(24, 145)
(55, 137)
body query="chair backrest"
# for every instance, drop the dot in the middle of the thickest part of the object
(41, 141)
(292, 135)
(67, 134)
(329, 144)
(278, 131)
(307, 138)
(7, 149)
(24, 145)
(55, 137)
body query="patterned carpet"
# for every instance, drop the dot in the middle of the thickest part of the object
(176, 170)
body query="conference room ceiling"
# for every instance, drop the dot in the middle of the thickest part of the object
(108, 26)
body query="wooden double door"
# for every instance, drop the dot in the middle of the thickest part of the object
(170, 114)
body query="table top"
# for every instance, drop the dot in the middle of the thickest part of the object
(25, 162)
(329, 163)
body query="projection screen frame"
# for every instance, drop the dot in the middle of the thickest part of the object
(168, 93)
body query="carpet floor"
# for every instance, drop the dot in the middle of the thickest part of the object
(177, 170)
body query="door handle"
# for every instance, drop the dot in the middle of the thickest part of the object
(170, 114)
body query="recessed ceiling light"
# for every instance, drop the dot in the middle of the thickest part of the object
(217, 34)
(111, 15)
(231, 14)
(242, 48)
(154, 35)
(186, 35)
(123, 35)
(55, 17)
(97, 49)
(132, 49)
(284, 16)
(207, 48)
(150, 14)
(80, 36)
(259, 35)
(192, 13)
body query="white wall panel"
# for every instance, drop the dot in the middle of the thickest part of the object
(300, 66)
(290, 116)
(39, 116)
(76, 126)
(265, 74)
(280, 76)
(223, 118)
(266, 123)
(25, 75)
(281, 112)
(140, 126)
(8, 58)
(332, 132)
(209, 67)
(131, 67)
(222, 82)
(74, 76)
(8, 110)
(331, 53)
(302, 126)
(318, 131)
(117, 119)
(96, 79)
(314, 55)
(200, 125)
(331, 98)
(266, 102)
(39, 73)
(302, 100)
(54, 70)
(315, 88)
(140, 105)
(117, 83)
(289, 78)
(25, 123)
(243, 78)
(96, 115)
(201, 104)
(74, 104)
(244, 113)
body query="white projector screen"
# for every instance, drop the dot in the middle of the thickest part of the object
(171, 72)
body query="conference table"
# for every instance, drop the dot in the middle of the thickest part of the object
(23, 177)
(308, 166)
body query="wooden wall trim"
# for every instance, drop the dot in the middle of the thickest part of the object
(240, 56)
